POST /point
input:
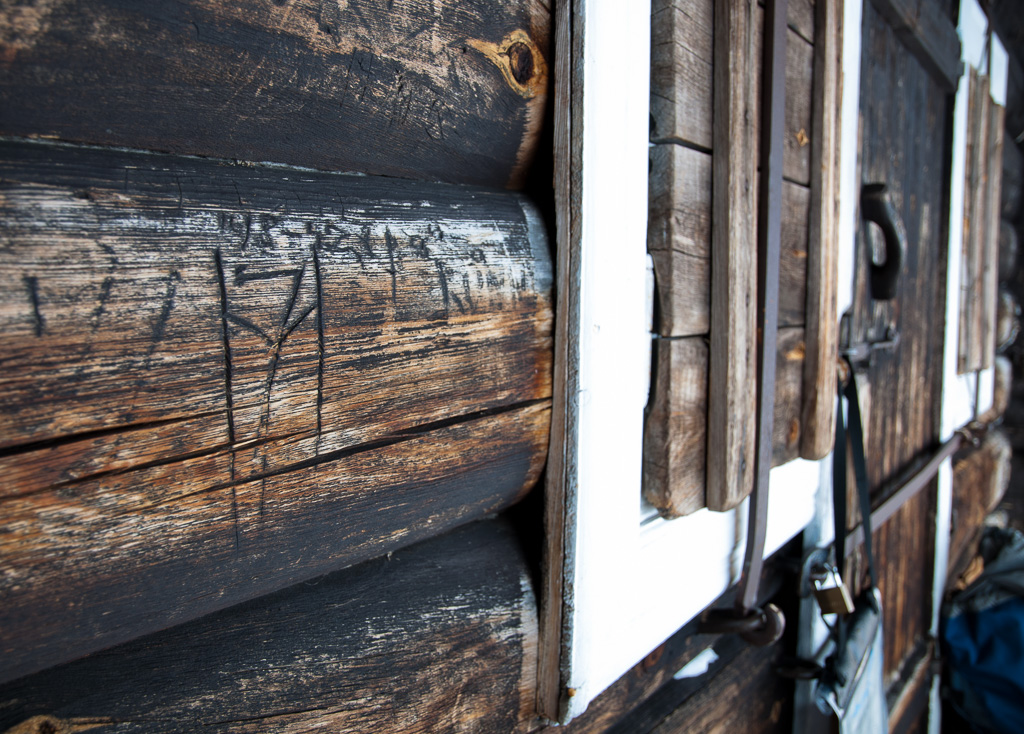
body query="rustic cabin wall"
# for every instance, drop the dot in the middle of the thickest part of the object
(452, 91)
(224, 376)
(228, 379)
(437, 637)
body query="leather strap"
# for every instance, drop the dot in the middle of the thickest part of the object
(860, 472)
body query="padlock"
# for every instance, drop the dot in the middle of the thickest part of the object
(833, 599)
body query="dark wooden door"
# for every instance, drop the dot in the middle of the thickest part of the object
(907, 75)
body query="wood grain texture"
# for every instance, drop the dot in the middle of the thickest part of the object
(438, 637)
(822, 317)
(745, 696)
(220, 380)
(990, 254)
(679, 241)
(929, 33)
(675, 429)
(682, 96)
(447, 90)
(981, 476)
(560, 469)
(909, 705)
(731, 398)
(905, 117)
(973, 282)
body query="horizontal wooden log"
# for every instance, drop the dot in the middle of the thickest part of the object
(439, 637)
(679, 240)
(681, 79)
(675, 432)
(453, 90)
(219, 380)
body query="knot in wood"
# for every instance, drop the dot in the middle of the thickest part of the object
(520, 60)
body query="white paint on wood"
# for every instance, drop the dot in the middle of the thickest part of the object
(849, 185)
(999, 69)
(633, 579)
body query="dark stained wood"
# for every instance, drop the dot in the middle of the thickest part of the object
(675, 434)
(745, 696)
(438, 637)
(451, 90)
(681, 78)
(929, 34)
(905, 143)
(220, 380)
(567, 153)
(679, 240)
(980, 478)
(908, 712)
(733, 321)
(822, 320)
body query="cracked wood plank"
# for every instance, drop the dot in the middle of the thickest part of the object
(675, 428)
(438, 637)
(452, 91)
(224, 379)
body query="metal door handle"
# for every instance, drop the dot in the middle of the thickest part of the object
(876, 207)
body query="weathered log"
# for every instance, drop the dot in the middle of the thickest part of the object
(439, 637)
(453, 91)
(219, 380)
(675, 435)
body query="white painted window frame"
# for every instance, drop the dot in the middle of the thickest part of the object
(632, 580)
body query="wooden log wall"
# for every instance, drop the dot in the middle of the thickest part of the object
(681, 453)
(219, 380)
(438, 637)
(452, 90)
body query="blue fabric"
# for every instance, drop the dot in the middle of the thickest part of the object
(986, 655)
